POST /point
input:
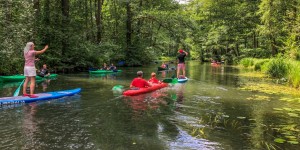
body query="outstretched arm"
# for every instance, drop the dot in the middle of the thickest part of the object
(41, 51)
(186, 53)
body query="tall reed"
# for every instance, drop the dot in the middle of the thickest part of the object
(294, 74)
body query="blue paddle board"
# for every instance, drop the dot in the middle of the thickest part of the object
(183, 80)
(41, 97)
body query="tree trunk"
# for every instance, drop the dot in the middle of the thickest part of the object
(86, 14)
(8, 13)
(139, 24)
(99, 19)
(273, 46)
(91, 21)
(128, 26)
(116, 20)
(46, 22)
(36, 7)
(254, 40)
(65, 23)
(237, 49)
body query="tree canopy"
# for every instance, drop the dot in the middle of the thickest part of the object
(86, 33)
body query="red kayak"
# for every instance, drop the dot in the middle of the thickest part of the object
(144, 90)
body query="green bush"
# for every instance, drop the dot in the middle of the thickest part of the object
(260, 64)
(247, 62)
(277, 68)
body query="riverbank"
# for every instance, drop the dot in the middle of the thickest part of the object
(272, 76)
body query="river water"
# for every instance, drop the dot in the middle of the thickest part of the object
(210, 111)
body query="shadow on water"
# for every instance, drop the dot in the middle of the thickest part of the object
(207, 112)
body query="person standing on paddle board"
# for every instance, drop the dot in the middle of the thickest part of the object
(139, 82)
(181, 63)
(29, 67)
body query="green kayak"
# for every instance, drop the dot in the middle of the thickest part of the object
(18, 78)
(104, 71)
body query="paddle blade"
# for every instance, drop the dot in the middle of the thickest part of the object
(173, 76)
(168, 80)
(18, 89)
(118, 88)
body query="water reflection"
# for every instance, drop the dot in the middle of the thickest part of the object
(105, 76)
(143, 102)
(29, 126)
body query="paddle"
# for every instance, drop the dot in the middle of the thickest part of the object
(118, 88)
(18, 89)
(121, 89)
(169, 80)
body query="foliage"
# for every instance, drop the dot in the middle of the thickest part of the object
(81, 35)
(277, 68)
(163, 58)
(261, 65)
(15, 29)
(255, 53)
(247, 62)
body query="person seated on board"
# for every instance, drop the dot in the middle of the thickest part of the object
(104, 67)
(212, 60)
(153, 79)
(44, 71)
(163, 65)
(112, 67)
(139, 82)
(167, 65)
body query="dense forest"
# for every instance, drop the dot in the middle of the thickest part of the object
(86, 33)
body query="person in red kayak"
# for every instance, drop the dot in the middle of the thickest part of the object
(139, 82)
(29, 67)
(181, 63)
(153, 79)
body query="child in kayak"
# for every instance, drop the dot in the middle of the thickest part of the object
(139, 82)
(153, 79)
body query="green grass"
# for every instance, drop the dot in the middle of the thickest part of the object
(261, 64)
(294, 74)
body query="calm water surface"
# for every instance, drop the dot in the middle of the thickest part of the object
(207, 112)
